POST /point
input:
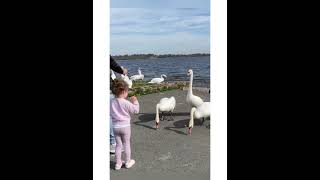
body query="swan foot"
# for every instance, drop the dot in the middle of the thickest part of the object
(189, 131)
(156, 126)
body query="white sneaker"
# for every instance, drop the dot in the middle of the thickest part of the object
(118, 166)
(130, 163)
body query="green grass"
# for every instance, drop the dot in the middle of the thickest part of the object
(141, 87)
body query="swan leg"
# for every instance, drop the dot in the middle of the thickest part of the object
(165, 116)
(171, 117)
(202, 121)
(189, 130)
(162, 116)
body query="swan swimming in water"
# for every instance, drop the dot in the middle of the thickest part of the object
(203, 111)
(164, 105)
(158, 80)
(137, 76)
(113, 76)
(191, 99)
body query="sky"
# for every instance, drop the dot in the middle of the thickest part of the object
(160, 4)
(164, 30)
(159, 26)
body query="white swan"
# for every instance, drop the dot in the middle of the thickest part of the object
(203, 111)
(158, 80)
(137, 76)
(113, 76)
(127, 80)
(164, 105)
(191, 99)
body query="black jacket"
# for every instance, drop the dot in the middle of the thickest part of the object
(115, 66)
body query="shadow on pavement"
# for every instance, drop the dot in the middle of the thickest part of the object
(181, 124)
(147, 117)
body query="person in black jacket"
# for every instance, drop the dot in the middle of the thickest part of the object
(116, 68)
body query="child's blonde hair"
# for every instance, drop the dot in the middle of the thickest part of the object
(118, 87)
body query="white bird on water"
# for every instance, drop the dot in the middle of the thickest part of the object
(191, 99)
(126, 79)
(137, 76)
(164, 105)
(113, 76)
(158, 80)
(203, 111)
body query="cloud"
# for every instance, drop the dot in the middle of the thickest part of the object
(182, 42)
(159, 30)
(155, 20)
(160, 3)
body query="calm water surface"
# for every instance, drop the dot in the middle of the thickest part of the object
(175, 68)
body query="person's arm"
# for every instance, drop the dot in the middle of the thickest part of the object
(115, 67)
(133, 106)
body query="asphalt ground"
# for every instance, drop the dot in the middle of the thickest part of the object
(168, 152)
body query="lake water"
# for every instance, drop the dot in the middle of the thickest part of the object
(175, 68)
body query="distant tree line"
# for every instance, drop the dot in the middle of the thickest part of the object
(153, 56)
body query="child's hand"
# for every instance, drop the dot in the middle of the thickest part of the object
(133, 99)
(125, 71)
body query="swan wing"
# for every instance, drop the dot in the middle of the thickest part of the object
(155, 80)
(204, 109)
(152, 81)
(163, 100)
(165, 104)
(134, 77)
(196, 101)
(173, 102)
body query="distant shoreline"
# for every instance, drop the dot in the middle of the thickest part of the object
(153, 56)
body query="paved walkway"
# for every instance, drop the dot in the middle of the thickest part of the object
(168, 152)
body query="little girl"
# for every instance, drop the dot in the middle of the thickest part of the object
(120, 110)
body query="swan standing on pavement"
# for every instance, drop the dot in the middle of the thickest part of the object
(158, 80)
(203, 111)
(137, 76)
(164, 105)
(191, 99)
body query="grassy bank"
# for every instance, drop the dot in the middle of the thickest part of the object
(141, 87)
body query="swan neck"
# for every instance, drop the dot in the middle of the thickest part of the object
(190, 84)
(157, 113)
(191, 117)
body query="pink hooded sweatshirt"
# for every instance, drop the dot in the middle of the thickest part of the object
(120, 110)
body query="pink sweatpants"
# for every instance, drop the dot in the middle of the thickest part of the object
(122, 136)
